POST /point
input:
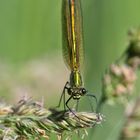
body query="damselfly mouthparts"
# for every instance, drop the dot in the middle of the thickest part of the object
(72, 36)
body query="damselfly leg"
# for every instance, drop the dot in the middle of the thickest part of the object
(94, 97)
(63, 96)
(75, 94)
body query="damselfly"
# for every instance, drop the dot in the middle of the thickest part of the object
(72, 36)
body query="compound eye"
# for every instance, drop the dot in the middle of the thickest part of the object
(84, 91)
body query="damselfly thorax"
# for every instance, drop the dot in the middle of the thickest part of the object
(75, 88)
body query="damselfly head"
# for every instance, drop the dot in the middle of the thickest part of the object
(76, 92)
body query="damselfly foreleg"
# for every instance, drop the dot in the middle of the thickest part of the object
(93, 96)
(63, 96)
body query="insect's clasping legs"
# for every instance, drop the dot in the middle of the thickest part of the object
(68, 102)
(62, 96)
(70, 108)
(77, 104)
(93, 96)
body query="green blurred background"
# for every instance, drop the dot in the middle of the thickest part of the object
(30, 51)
